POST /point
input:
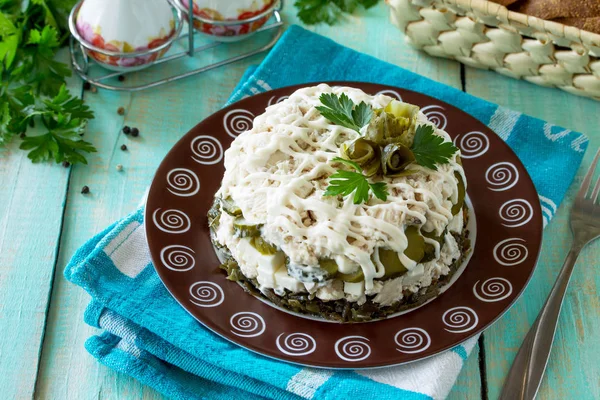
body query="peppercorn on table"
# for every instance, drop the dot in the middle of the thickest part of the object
(45, 218)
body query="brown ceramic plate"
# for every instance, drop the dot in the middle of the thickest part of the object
(508, 241)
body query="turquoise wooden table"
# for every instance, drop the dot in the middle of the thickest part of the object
(44, 218)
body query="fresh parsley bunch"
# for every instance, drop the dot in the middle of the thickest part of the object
(32, 87)
(329, 11)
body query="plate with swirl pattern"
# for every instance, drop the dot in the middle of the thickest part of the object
(508, 240)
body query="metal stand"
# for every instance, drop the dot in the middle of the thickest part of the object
(81, 63)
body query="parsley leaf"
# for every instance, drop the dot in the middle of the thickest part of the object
(64, 117)
(342, 111)
(37, 65)
(5, 119)
(314, 11)
(362, 114)
(32, 82)
(328, 11)
(63, 102)
(10, 40)
(430, 149)
(345, 182)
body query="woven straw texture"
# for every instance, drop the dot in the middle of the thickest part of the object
(486, 35)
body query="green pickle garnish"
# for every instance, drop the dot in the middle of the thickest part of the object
(461, 194)
(245, 229)
(262, 246)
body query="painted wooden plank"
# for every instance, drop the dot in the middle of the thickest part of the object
(32, 199)
(573, 368)
(163, 116)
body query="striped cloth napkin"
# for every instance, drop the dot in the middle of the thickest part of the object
(147, 335)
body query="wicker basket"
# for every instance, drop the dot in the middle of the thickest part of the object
(486, 35)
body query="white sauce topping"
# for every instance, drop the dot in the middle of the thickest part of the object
(278, 171)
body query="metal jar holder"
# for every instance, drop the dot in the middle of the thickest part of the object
(81, 63)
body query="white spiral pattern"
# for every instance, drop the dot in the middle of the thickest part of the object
(206, 294)
(502, 176)
(207, 150)
(183, 182)
(275, 100)
(178, 258)
(353, 348)
(171, 221)
(436, 116)
(516, 213)
(412, 340)
(510, 252)
(460, 319)
(247, 324)
(296, 344)
(492, 290)
(391, 93)
(472, 144)
(237, 121)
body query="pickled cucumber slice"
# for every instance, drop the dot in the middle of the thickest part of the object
(365, 153)
(328, 265)
(395, 158)
(415, 251)
(400, 109)
(354, 277)
(230, 208)
(461, 194)
(246, 229)
(429, 248)
(263, 246)
(391, 262)
(214, 215)
(416, 244)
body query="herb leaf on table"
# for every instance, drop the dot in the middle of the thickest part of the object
(329, 11)
(32, 82)
(64, 117)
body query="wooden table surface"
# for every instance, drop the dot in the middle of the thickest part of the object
(44, 218)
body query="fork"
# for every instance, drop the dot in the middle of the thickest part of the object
(526, 373)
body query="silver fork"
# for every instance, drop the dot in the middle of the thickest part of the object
(526, 373)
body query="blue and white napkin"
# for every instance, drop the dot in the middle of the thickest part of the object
(147, 335)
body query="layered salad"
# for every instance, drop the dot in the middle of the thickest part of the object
(341, 205)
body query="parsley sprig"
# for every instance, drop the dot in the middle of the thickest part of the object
(328, 11)
(430, 149)
(32, 82)
(64, 118)
(342, 111)
(345, 182)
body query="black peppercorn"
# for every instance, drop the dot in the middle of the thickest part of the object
(121, 78)
(66, 164)
(135, 132)
(87, 85)
(85, 190)
(123, 147)
(126, 130)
